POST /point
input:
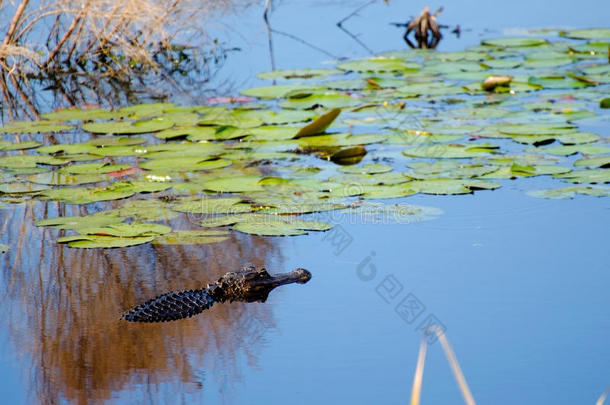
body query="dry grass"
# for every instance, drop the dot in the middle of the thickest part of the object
(116, 35)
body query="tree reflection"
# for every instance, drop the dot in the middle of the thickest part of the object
(63, 307)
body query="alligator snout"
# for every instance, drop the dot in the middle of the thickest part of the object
(303, 275)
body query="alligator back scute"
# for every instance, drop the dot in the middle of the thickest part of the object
(171, 306)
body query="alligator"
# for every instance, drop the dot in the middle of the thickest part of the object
(249, 284)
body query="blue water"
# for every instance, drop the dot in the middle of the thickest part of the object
(520, 284)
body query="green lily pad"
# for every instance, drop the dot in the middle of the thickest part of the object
(98, 241)
(588, 176)
(187, 163)
(589, 33)
(568, 150)
(450, 151)
(319, 125)
(83, 195)
(214, 206)
(88, 221)
(124, 230)
(279, 91)
(298, 74)
(19, 145)
(448, 169)
(93, 168)
(61, 179)
(35, 127)
(379, 64)
(275, 226)
(198, 237)
(234, 184)
(514, 42)
(570, 192)
(451, 186)
(146, 109)
(104, 141)
(129, 127)
(594, 162)
(21, 188)
(324, 99)
(370, 168)
(77, 114)
(28, 161)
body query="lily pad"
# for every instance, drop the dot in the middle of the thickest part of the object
(198, 237)
(450, 151)
(589, 33)
(379, 64)
(570, 192)
(299, 74)
(35, 127)
(127, 230)
(98, 241)
(319, 125)
(129, 127)
(514, 42)
(214, 206)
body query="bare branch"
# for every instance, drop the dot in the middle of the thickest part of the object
(14, 21)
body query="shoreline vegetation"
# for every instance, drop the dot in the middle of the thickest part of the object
(97, 46)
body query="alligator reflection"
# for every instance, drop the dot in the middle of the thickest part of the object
(63, 305)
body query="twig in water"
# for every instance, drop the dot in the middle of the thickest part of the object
(453, 363)
(269, 36)
(603, 397)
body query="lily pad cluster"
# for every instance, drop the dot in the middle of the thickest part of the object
(289, 154)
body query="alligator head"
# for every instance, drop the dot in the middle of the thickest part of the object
(253, 284)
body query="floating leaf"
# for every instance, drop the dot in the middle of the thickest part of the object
(87, 221)
(116, 141)
(77, 114)
(379, 64)
(278, 91)
(28, 161)
(129, 127)
(4, 248)
(573, 149)
(326, 99)
(589, 33)
(371, 168)
(35, 127)
(319, 125)
(348, 156)
(19, 145)
(83, 195)
(186, 163)
(199, 237)
(234, 184)
(214, 206)
(123, 230)
(491, 82)
(587, 176)
(594, 162)
(450, 151)
(298, 73)
(61, 179)
(21, 188)
(570, 192)
(275, 226)
(92, 168)
(97, 241)
(514, 42)
(605, 103)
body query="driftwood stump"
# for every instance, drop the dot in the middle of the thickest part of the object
(424, 24)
